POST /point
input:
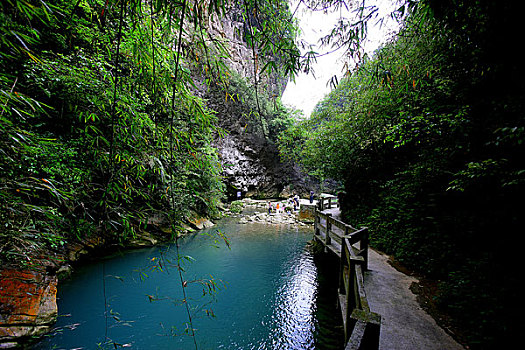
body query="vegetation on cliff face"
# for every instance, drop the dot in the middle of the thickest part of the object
(102, 121)
(428, 138)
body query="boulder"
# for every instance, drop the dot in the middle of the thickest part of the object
(198, 222)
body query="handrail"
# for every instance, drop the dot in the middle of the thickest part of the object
(327, 202)
(361, 326)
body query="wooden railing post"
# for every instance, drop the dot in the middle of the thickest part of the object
(316, 221)
(328, 240)
(342, 266)
(342, 261)
(351, 292)
(350, 298)
(364, 248)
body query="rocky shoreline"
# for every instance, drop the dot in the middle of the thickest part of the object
(256, 211)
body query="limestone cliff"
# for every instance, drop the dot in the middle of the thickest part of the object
(248, 154)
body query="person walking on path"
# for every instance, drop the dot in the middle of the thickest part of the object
(269, 208)
(311, 196)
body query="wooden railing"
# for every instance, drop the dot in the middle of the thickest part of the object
(361, 326)
(327, 202)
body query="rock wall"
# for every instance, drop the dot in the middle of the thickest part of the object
(230, 30)
(250, 159)
(252, 166)
(28, 305)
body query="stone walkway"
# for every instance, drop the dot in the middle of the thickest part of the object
(404, 324)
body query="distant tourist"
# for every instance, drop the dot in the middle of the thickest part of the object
(269, 207)
(311, 196)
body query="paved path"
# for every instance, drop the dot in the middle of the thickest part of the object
(404, 324)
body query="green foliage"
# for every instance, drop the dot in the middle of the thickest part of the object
(261, 113)
(271, 33)
(236, 206)
(95, 133)
(427, 137)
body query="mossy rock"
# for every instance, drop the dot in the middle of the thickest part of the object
(236, 207)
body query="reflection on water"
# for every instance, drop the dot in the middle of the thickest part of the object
(295, 305)
(269, 298)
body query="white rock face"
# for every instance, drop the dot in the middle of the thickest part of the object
(242, 168)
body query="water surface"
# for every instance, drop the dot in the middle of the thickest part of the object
(266, 293)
